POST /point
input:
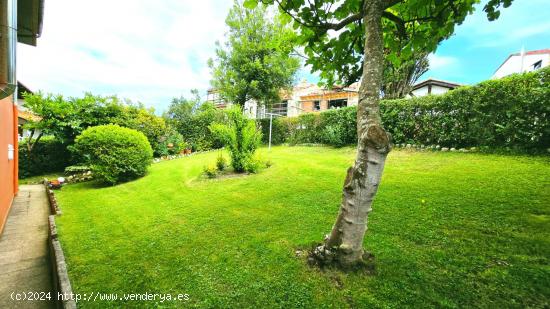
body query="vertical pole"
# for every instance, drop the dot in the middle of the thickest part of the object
(270, 126)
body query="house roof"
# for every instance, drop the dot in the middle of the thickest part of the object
(436, 82)
(26, 115)
(527, 53)
(21, 88)
(533, 52)
(29, 20)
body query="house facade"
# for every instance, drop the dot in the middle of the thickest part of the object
(20, 21)
(524, 61)
(303, 98)
(432, 86)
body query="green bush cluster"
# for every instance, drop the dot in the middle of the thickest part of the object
(114, 153)
(240, 135)
(210, 171)
(333, 127)
(192, 119)
(63, 119)
(48, 155)
(512, 113)
(170, 143)
(221, 163)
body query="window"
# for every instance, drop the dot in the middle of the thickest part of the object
(537, 65)
(316, 105)
(337, 103)
(280, 108)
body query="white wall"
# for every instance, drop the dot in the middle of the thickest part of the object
(513, 64)
(250, 109)
(420, 92)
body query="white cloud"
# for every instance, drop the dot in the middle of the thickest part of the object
(523, 19)
(441, 62)
(144, 50)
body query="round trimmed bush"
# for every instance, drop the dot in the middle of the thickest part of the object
(114, 153)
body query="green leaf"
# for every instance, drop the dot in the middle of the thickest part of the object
(250, 4)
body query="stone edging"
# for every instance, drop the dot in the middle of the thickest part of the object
(54, 207)
(62, 284)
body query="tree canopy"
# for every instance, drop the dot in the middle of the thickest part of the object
(257, 60)
(334, 35)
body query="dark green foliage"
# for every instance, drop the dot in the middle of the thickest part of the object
(146, 122)
(65, 118)
(340, 127)
(48, 156)
(77, 169)
(114, 153)
(279, 131)
(191, 119)
(240, 136)
(512, 112)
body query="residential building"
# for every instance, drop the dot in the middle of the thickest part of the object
(304, 97)
(23, 115)
(20, 21)
(432, 86)
(523, 62)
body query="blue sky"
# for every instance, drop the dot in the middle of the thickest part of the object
(478, 46)
(152, 51)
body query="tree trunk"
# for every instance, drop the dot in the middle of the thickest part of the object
(344, 245)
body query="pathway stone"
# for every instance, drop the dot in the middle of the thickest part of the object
(24, 259)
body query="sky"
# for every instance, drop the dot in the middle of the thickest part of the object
(153, 51)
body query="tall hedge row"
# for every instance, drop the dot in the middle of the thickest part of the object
(48, 156)
(513, 112)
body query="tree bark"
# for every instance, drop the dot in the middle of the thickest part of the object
(344, 245)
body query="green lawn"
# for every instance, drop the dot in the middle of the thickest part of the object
(447, 230)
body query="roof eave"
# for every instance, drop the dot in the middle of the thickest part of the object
(29, 21)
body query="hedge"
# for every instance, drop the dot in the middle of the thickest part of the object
(512, 113)
(114, 153)
(47, 156)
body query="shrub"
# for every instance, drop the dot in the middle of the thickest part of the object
(210, 171)
(47, 156)
(252, 166)
(192, 120)
(221, 162)
(240, 135)
(114, 153)
(279, 130)
(171, 143)
(77, 169)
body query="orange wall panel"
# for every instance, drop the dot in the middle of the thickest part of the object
(8, 168)
(307, 106)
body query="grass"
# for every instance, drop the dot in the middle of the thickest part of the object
(448, 230)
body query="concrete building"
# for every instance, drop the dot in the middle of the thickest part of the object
(523, 62)
(20, 21)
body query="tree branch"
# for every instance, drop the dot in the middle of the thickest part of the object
(399, 23)
(323, 25)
